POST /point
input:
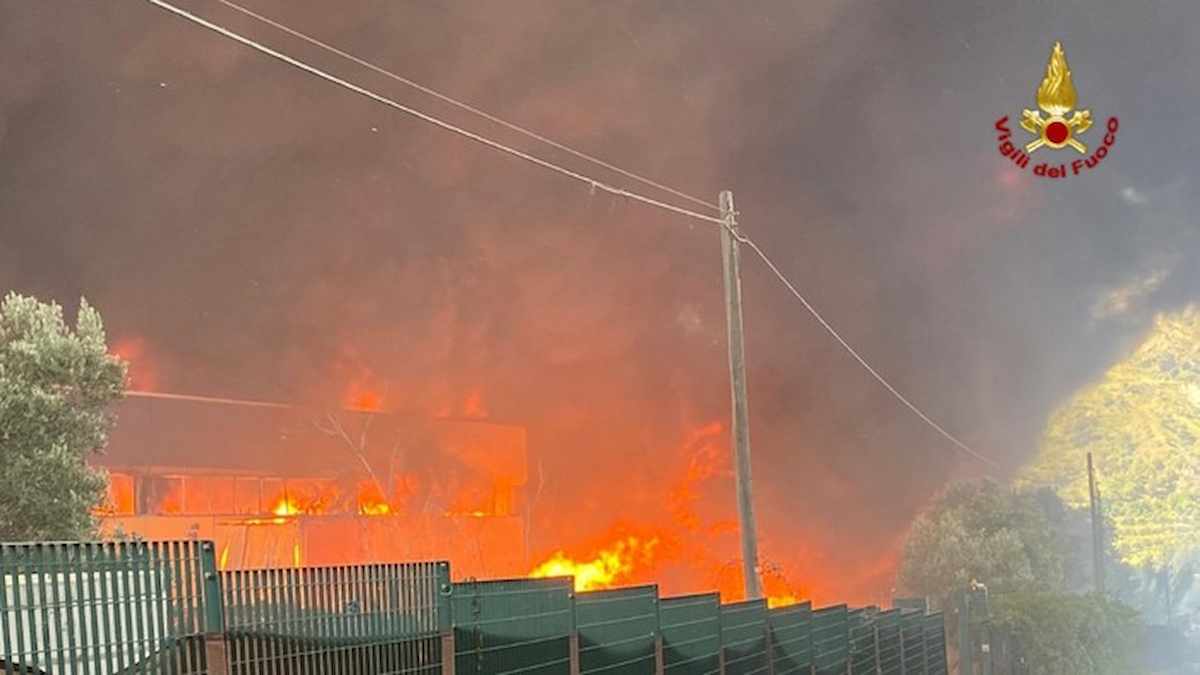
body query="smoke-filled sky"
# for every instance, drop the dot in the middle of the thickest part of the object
(251, 231)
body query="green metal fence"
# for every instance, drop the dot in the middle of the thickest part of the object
(92, 608)
(345, 619)
(691, 634)
(791, 638)
(887, 630)
(864, 657)
(513, 626)
(744, 637)
(161, 607)
(618, 630)
(935, 644)
(831, 640)
(912, 637)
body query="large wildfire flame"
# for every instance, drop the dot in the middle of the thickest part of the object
(683, 537)
(676, 530)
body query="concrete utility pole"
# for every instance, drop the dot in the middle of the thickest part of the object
(741, 413)
(1097, 529)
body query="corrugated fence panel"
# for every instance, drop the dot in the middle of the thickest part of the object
(75, 608)
(935, 644)
(862, 640)
(513, 626)
(691, 632)
(617, 630)
(888, 627)
(351, 618)
(744, 637)
(831, 640)
(791, 638)
(912, 635)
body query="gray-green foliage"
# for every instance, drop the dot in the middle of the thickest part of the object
(57, 386)
(1018, 544)
(981, 532)
(1064, 634)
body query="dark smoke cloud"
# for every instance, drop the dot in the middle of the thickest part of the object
(271, 236)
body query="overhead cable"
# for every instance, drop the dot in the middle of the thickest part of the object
(594, 184)
(467, 106)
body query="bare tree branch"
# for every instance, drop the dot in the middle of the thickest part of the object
(359, 450)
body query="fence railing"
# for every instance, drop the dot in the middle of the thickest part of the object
(84, 608)
(345, 619)
(691, 634)
(162, 607)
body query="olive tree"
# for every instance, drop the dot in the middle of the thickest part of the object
(57, 387)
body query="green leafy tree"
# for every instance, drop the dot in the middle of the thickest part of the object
(1063, 634)
(1017, 543)
(57, 386)
(1141, 422)
(982, 532)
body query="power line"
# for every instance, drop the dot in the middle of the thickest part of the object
(205, 399)
(592, 182)
(466, 106)
(858, 357)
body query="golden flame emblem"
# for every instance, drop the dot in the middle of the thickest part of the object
(1056, 96)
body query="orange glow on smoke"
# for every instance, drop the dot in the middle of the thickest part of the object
(609, 567)
(363, 399)
(705, 462)
(474, 405)
(142, 373)
(774, 584)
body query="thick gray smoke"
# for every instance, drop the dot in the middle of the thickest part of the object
(259, 233)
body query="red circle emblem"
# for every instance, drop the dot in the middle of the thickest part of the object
(1057, 132)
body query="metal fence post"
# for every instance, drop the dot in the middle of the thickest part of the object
(214, 614)
(767, 642)
(660, 665)
(966, 643)
(573, 639)
(924, 651)
(878, 665)
(445, 617)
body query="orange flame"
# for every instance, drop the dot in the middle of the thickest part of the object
(610, 567)
(287, 506)
(371, 501)
(774, 583)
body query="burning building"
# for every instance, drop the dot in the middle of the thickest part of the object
(279, 485)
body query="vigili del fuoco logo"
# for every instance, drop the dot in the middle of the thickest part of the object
(1062, 127)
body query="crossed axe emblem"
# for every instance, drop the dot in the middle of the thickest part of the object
(1056, 131)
